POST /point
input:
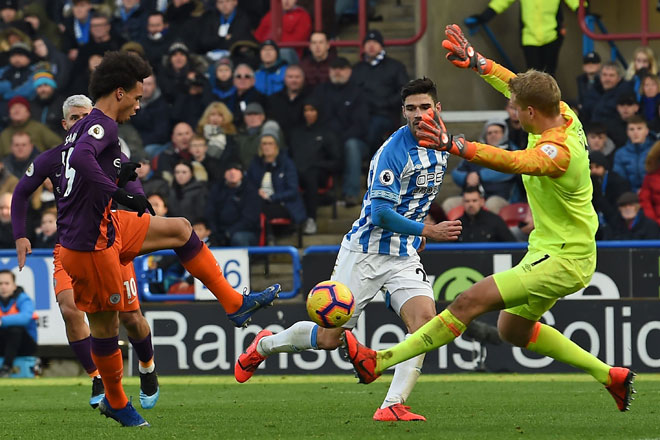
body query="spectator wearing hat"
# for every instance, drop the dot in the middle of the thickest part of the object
(47, 105)
(58, 63)
(630, 223)
(316, 153)
(598, 141)
(286, 106)
(254, 125)
(184, 19)
(607, 187)
(629, 159)
(589, 76)
(8, 13)
(217, 127)
(180, 68)
(346, 112)
(274, 173)
(599, 103)
(190, 105)
(41, 136)
(233, 209)
(158, 39)
(316, 64)
(221, 78)
(16, 78)
(21, 154)
(381, 78)
(222, 26)
(153, 120)
(296, 25)
(246, 92)
(130, 20)
(269, 78)
(649, 194)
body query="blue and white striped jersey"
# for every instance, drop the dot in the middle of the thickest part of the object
(408, 175)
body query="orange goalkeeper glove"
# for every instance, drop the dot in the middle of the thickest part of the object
(433, 134)
(462, 54)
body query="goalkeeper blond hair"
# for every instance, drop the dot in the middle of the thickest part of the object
(536, 89)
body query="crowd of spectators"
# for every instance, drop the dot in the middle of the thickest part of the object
(230, 119)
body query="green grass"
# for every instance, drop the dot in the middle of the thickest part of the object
(467, 406)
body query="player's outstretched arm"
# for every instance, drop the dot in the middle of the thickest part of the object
(384, 216)
(461, 54)
(545, 159)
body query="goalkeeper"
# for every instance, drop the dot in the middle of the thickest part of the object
(561, 257)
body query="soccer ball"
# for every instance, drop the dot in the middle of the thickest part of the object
(330, 304)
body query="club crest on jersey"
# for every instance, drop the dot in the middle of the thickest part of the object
(96, 131)
(115, 298)
(30, 170)
(550, 150)
(386, 177)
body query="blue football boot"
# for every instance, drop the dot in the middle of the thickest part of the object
(149, 390)
(253, 302)
(127, 416)
(98, 392)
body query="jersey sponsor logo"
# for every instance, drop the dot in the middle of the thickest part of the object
(117, 162)
(550, 150)
(30, 170)
(96, 131)
(386, 177)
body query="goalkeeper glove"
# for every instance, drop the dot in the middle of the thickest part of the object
(433, 134)
(127, 173)
(136, 202)
(462, 54)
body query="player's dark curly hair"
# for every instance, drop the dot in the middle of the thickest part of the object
(118, 69)
(419, 86)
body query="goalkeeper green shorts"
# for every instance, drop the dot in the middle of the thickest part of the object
(532, 287)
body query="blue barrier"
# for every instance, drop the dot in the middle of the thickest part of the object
(143, 278)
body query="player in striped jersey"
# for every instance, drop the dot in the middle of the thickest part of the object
(561, 258)
(379, 253)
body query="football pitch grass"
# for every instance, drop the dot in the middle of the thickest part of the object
(458, 406)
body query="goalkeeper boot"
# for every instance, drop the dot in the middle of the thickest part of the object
(250, 359)
(620, 387)
(397, 413)
(98, 392)
(253, 302)
(363, 358)
(127, 416)
(149, 390)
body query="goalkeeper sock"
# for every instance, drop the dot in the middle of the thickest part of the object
(200, 262)
(548, 341)
(404, 380)
(299, 337)
(439, 331)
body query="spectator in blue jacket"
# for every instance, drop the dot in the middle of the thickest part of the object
(16, 77)
(233, 209)
(276, 177)
(629, 159)
(269, 78)
(18, 328)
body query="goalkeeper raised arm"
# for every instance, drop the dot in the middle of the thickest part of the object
(561, 258)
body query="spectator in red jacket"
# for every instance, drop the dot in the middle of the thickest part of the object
(296, 26)
(649, 194)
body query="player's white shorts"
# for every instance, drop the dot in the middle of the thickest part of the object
(401, 278)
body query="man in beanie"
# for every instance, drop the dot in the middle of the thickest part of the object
(269, 78)
(608, 187)
(222, 26)
(381, 78)
(42, 137)
(8, 13)
(16, 78)
(47, 105)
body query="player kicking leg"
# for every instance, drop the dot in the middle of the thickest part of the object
(561, 258)
(380, 253)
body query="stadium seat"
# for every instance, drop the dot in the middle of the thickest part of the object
(24, 366)
(455, 213)
(514, 213)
